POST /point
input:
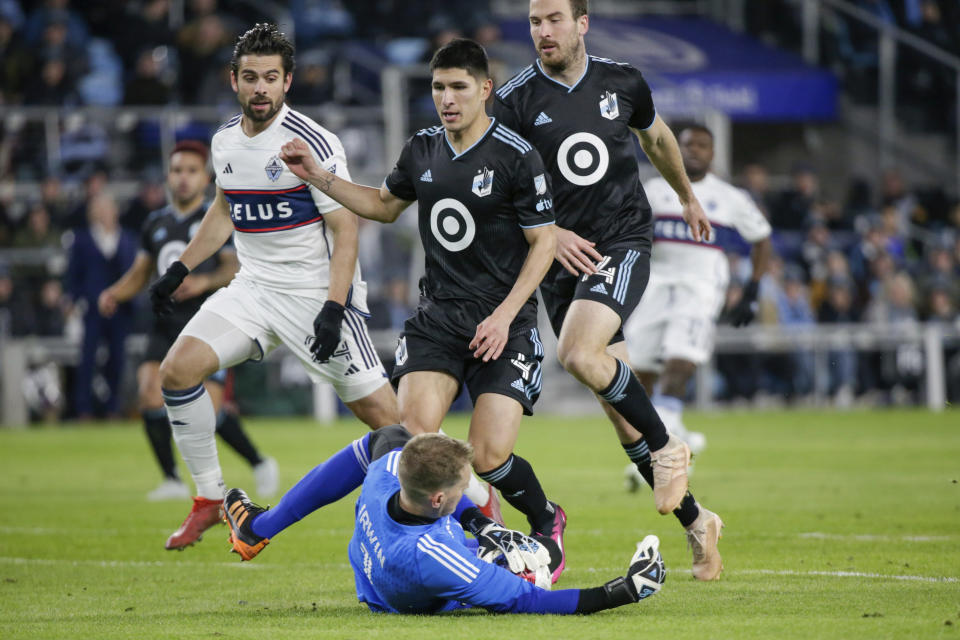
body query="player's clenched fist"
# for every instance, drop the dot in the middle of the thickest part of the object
(161, 293)
(296, 154)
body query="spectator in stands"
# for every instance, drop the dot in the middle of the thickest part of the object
(859, 203)
(16, 63)
(898, 370)
(54, 200)
(100, 254)
(793, 310)
(201, 42)
(16, 314)
(147, 87)
(52, 86)
(6, 227)
(151, 196)
(894, 193)
(145, 26)
(93, 185)
(939, 306)
(57, 11)
(838, 307)
(51, 307)
(791, 209)
(938, 271)
(38, 232)
(756, 182)
(314, 83)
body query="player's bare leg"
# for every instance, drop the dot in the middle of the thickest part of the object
(587, 330)
(493, 433)
(377, 409)
(193, 421)
(424, 398)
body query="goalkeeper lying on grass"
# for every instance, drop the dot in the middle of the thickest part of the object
(408, 551)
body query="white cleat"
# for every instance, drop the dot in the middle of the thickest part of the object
(169, 489)
(267, 478)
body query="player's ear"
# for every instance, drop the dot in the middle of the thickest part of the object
(583, 24)
(287, 80)
(486, 88)
(233, 81)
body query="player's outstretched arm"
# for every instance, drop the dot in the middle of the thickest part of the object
(130, 284)
(491, 335)
(661, 147)
(366, 202)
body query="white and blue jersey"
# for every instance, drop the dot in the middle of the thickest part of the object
(280, 235)
(401, 568)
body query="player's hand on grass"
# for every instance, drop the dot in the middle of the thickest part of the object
(491, 337)
(577, 255)
(107, 303)
(521, 552)
(161, 292)
(326, 331)
(697, 220)
(296, 155)
(191, 287)
(744, 312)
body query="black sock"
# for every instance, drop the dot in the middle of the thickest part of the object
(159, 435)
(639, 454)
(519, 486)
(228, 426)
(628, 397)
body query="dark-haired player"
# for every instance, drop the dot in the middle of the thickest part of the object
(486, 223)
(582, 113)
(298, 285)
(164, 235)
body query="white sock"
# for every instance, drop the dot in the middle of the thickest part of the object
(477, 491)
(194, 424)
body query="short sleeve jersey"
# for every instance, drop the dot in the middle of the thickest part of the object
(473, 209)
(423, 568)
(584, 134)
(735, 219)
(164, 236)
(282, 240)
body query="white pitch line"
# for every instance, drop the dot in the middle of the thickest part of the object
(160, 563)
(865, 537)
(790, 572)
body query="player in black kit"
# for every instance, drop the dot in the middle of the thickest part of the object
(164, 235)
(582, 113)
(486, 223)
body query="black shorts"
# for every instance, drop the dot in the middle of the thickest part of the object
(619, 284)
(161, 338)
(425, 345)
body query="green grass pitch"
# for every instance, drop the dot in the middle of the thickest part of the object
(839, 525)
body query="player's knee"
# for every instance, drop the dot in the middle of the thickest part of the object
(176, 374)
(487, 456)
(149, 398)
(574, 359)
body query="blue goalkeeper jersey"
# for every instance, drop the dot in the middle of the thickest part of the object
(429, 568)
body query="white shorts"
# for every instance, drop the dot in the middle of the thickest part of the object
(245, 321)
(674, 321)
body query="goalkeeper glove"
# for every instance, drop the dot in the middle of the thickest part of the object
(521, 552)
(326, 331)
(161, 292)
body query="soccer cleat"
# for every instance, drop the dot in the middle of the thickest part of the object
(556, 534)
(702, 538)
(239, 513)
(492, 508)
(670, 474)
(646, 573)
(267, 477)
(205, 514)
(169, 489)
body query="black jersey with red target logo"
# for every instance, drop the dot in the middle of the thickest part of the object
(473, 209)
(583, 132)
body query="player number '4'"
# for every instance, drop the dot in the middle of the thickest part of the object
(602, 271)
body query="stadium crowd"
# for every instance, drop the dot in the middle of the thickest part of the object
(885, 252)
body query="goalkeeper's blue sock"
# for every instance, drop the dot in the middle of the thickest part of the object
(629, 398)
(329, 481)
(639, 454)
